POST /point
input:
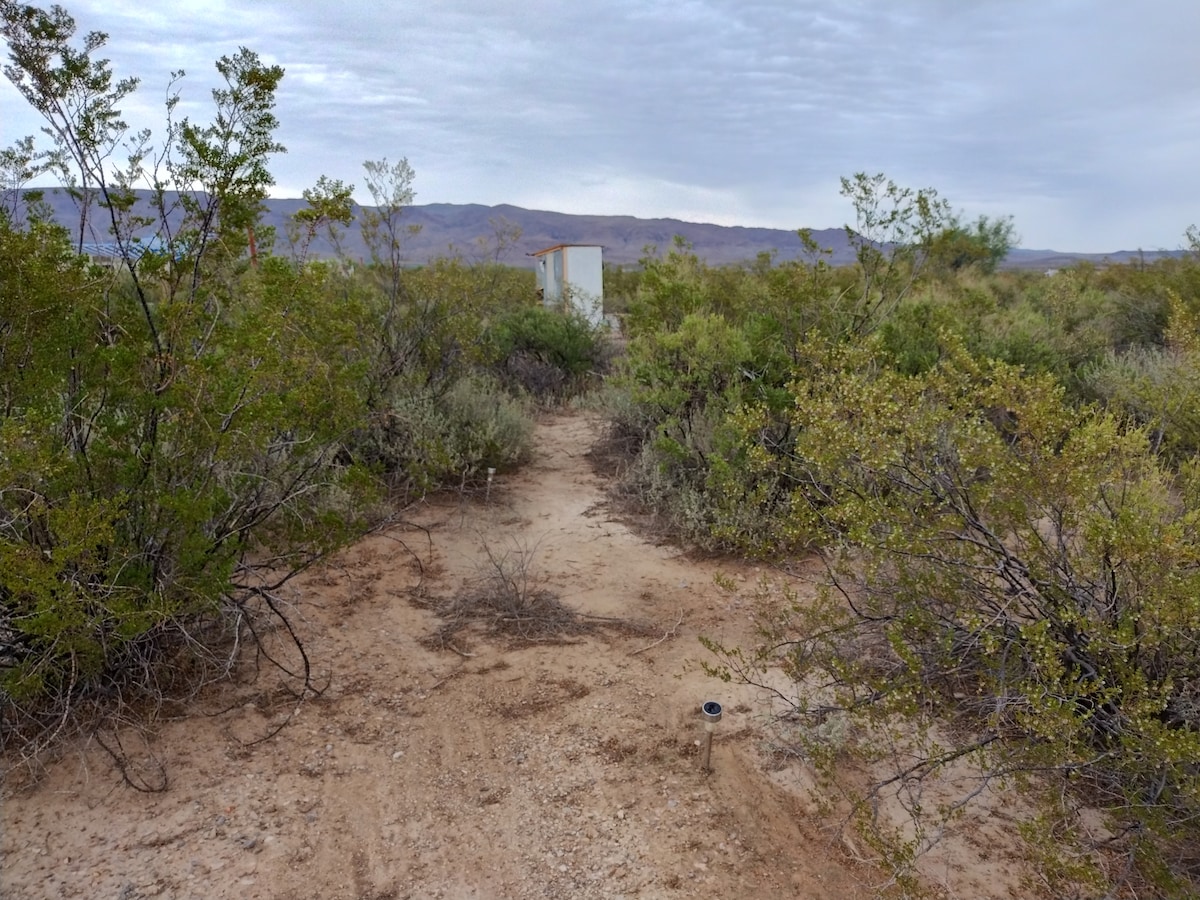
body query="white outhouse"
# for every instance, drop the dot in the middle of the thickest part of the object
(573, 273)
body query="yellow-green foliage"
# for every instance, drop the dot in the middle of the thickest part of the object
(1158, 387)
(182, 434)
(1013, 568)
(134, 482)
(1006, 560)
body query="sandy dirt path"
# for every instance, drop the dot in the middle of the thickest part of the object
(542, 771)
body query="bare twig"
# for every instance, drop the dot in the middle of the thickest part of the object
(509, 597)
(437, 684)
(667, 635)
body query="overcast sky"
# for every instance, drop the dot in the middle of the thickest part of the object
(1079, 118)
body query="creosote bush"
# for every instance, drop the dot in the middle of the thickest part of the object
(426, 440)
(999, 471)
(184, 432)
(548, 354)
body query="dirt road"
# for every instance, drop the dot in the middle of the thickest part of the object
(482, 770)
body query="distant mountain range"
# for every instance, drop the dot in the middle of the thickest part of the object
(472, 230)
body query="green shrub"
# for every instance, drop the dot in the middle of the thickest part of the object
(428, 440)
(546, 353)
(1017, 602)
(488, 427)
(670, 408)
(1158, 387)
(910, 338)
(151, 499)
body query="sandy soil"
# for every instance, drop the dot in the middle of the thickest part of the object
(486, 770)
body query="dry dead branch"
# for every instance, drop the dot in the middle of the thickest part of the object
(667, 635)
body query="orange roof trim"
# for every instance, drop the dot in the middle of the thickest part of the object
(560, 247)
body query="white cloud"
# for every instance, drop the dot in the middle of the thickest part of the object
(1082, 120)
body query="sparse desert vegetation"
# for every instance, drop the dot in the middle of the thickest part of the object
(944, 519)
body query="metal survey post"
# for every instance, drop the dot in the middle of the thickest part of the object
(712, 715)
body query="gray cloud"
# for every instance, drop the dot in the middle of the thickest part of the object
(1080, 119)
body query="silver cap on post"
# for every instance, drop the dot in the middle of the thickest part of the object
(712, 712)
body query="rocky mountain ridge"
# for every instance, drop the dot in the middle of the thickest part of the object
(509, 234)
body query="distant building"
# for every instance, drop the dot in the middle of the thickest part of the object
(574, 274)
(109, 253)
